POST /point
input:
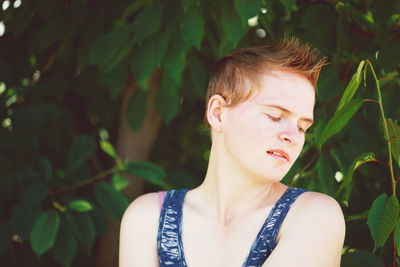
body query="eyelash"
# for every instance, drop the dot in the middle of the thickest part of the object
(277, 119)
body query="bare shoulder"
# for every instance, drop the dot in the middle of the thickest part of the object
(315, 222)
(317, 211)
(314, 205)
(138, 233)
(146, 205)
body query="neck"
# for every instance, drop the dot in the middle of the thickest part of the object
(231, 191)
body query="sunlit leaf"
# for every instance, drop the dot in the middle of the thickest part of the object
(339, 120)
(119, 182)
(44, 231)
(352, 87)
(382, 218)
(360, 160)
(80, 205)
(108, 148)
(111, 201)
(394, 138)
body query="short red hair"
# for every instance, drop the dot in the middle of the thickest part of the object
(236, 76)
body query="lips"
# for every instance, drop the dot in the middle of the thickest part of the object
(279, 153)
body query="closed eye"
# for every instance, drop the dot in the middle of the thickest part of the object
(276, 119)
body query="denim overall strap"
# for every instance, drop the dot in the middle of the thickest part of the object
(266, 237)
(169, 243)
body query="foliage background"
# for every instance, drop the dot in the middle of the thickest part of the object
(84, 81)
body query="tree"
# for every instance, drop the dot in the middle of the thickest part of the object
(79, 76)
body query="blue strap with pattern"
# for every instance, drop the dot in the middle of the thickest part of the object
(265, 241)
(169, 240)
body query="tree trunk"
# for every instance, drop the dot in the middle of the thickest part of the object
(135, 146)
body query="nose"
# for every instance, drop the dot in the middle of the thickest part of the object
(289, 137)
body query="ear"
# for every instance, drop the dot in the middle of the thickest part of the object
(215, 107)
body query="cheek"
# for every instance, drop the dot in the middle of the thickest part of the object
(258, 128)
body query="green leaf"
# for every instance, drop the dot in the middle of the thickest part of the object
(192, 27)
(80, 151)
(325, 173)
(111, 48)
(175, 60)
(167, 98)
(117, 78)
(28, 209)
(339, 120)
(360, 160)
(247, 9)
(149, 172)
(397, 238)
(361, 258)
(394, 138)
(289, 5)
(136, 111)
(82, 227)
(352, 87)
(80, 205)
(148, 21)
(44, 231)
(111, 201)
(108, 148)
(232, 29)
(148, 57)
(64, 249)
(198, 76)
(382, 218)
(119, 182)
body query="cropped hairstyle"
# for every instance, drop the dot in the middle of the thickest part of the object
(237, 75)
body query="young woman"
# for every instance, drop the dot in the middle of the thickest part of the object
(259, 104)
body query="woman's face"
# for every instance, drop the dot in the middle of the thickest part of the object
(265, 134)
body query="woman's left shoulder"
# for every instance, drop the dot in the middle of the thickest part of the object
(310, 200)
(313, 208)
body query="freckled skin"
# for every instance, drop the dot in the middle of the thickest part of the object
(249, 131)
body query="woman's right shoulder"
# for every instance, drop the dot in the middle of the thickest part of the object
(138, 233)
(146, 206)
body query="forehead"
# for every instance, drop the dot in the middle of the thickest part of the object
(289, 90)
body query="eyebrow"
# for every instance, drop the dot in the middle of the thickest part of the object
(310, 121)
